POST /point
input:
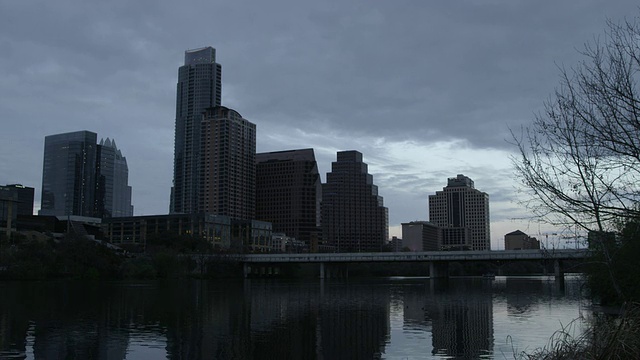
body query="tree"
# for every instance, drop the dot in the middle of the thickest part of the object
(580, 158)
(623, 265)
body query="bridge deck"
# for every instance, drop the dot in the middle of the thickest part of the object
(429, 256)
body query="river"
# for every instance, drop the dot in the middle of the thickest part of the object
(388, 318)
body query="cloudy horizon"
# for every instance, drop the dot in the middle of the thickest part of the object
(425, 90)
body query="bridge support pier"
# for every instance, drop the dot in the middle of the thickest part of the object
(260, 270)
(439, 269)
(557, 269)
(246, 270)
(333, 271)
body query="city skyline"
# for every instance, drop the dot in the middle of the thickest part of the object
(425, 91)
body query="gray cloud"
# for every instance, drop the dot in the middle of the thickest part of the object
(374, 72)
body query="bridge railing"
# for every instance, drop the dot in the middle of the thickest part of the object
(561, 254)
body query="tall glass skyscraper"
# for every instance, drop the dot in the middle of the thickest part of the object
(68, 174)
(83, 178)
(199, 87)
(113, 197)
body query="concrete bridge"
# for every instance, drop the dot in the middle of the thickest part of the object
(438, 260)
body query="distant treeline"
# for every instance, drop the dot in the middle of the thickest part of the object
(178, 256)
(76, 257)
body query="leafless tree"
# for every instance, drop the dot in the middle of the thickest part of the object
(580, 159)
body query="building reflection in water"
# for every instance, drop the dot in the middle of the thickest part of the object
(193, 320)
(462, 320)
(459, 317)
(517, 293)
(288, 321)
(349, 319)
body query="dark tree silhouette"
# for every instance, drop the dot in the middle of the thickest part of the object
(580, 158)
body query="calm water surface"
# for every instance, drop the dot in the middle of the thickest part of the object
(392, 318)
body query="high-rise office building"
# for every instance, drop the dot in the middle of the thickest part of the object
(68, 174)
(462, 212)
(83, 178)
(354, 218)
(199, 87)
(113, 197)
(228, 164)
(289, 192)
(25, 198)
(8, 211)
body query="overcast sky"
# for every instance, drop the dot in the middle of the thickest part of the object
(424, 89)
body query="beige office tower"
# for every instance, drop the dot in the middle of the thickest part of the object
(462, 212)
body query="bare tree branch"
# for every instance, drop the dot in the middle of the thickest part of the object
(581, 157)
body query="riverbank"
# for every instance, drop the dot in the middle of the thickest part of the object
(608, 336)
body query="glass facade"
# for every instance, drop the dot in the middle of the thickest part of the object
(68, 175)
(250, 236)
(25, 198)
(113, 197)
(199, 87)
(83, 178)
(136, 229)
